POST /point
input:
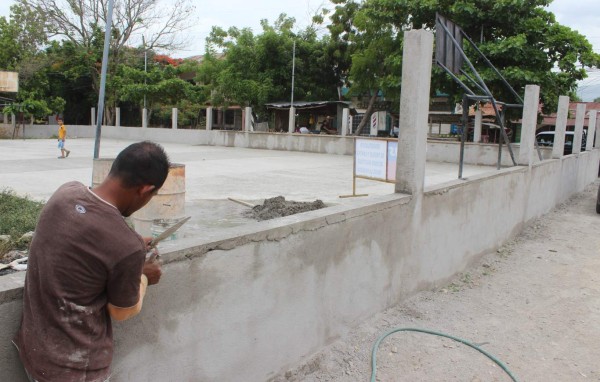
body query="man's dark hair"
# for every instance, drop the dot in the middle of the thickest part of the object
(141, 164)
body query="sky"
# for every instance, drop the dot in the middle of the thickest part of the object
(580, 15)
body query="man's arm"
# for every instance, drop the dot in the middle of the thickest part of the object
(150, 276)
(122, 314)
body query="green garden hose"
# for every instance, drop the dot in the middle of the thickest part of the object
(376, 346)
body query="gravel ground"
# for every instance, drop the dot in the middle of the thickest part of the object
(534, 304)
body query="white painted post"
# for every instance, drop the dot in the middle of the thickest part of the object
(350, 124)
(248, 119)
(174, 118)
(591, 131)
(144, 118)
(597, 143)
(477, 128)
(345, 121)
(579, 120)
(94, 116)
(530, 111)
(13, 120)
(118, 117)
(561, 126)
(414, 111)
(292, 120)
(209, 118)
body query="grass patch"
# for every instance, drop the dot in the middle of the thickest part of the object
(18, 216)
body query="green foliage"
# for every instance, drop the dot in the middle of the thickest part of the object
(17, 216)
(30, 108)
(21, 36)
(161, 85)
(521, 38)
(255, 69)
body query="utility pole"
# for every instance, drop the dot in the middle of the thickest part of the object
(144, 110)
(292, 119)
(103, 79)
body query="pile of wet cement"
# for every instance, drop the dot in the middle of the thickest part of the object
(277, 207)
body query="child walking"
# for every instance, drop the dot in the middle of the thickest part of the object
(62, 135)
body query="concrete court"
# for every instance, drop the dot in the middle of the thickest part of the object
(31, 167)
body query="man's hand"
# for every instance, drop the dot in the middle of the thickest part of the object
(153, 271)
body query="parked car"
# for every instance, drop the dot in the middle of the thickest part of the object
(546, 139)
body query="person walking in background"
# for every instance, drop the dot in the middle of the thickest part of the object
(62, 135)
(86, 267)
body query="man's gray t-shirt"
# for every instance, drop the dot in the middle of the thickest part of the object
(83, 256)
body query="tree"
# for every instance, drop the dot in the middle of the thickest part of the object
(160, 86)
(81, 23)
(77, 21)
(21, 39)
(21, 36)
(246, 69)
(521, 38)
(368, 42)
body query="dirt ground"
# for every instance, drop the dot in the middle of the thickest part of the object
(534, 304)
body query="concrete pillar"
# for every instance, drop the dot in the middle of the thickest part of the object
(13, 121)
(579, 120)
(209, 118)
(118, 117)
(597, 133)
(530, 112)
(562, 114)
(248, 119)
(477, 128)
(292, 120)
(345, 121)
(144, 118)
(94, 117)
(414, 111)
(174, 118)
(591, 131)
(5, 116)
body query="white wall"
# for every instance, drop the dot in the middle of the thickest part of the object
(438, 151)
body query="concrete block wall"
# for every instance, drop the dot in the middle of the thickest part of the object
(262, 297)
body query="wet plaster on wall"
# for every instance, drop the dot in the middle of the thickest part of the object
(302, 298)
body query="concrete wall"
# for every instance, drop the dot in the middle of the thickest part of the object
(263, 296)
(438, 151)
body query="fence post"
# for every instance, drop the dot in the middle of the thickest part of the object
(579, 120)
(530, 111)
(174, 118)
(562, 114)
(414, 111)
(118, 117)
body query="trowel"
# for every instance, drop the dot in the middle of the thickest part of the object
(151, 255)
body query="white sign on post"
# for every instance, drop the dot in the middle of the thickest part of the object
(370, 158)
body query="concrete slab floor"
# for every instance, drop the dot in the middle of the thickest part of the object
(31, 167)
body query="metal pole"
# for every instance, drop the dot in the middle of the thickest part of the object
(465, 116)
(293, 73)
(103, 79)
(292, 116)
(145, 67)
(499, 164)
